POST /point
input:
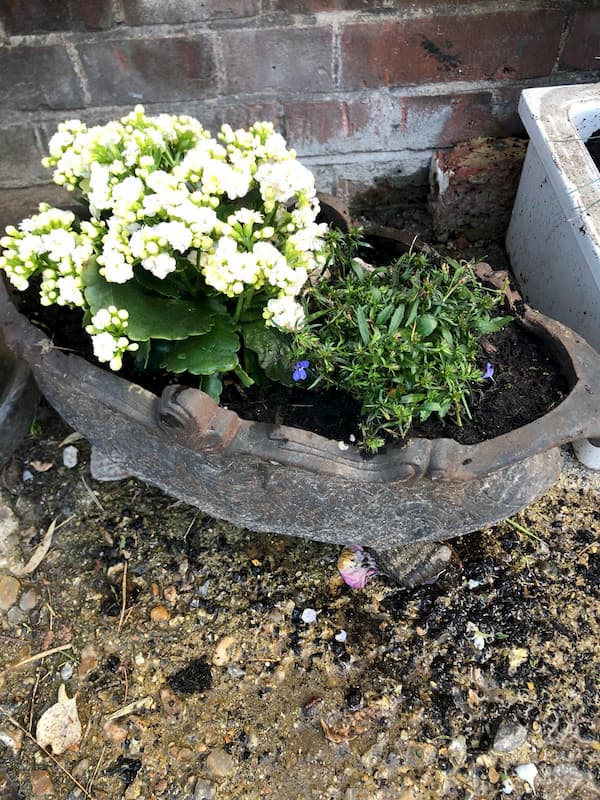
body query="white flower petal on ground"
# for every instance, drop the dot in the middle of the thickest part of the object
(527, 773)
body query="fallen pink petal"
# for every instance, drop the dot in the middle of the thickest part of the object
(356, 566)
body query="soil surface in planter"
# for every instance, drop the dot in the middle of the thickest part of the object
(527, 383)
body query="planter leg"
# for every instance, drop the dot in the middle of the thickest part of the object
(106, 468)
(414, 564)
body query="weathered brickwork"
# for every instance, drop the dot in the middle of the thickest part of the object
(365, 90)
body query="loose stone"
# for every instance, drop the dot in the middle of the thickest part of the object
(509, 737)
(219, 763)
(204, 790)
(9, 591)
(41, 783)
(160, 614)
(29, 600)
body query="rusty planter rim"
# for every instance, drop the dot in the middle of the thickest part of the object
(219, 430)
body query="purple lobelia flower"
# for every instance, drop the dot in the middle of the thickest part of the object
(489, 372)
(299, 373)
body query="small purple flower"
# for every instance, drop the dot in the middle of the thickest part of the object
(299, 373)
(489, 372)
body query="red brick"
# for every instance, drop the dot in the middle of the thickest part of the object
(304, 6)
(278, 59)
(23, 17)
(20, 157)
(496, 46)
(38, 77)
(149, 70)
(582, 47)
(159, 12)
(383, 121)
(311, 126)
(238, 115)
(479, 114)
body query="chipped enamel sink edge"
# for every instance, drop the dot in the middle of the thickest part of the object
(553, 240)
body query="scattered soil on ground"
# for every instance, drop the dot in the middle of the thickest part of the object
(183, 642)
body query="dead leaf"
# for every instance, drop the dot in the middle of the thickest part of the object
(38, 554)
(41, 466)
(59, 726)
(72, 437)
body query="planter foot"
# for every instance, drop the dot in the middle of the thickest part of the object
(413, 565)
(106, 468)
(588, 452)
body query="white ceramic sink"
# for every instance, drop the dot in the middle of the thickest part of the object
(553, 240)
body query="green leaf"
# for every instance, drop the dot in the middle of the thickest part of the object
(362, 324)
(214, 352)
(384, 314)
(491, 325)
(150, 317)
(272, 348)
(396, 319)
(212, 385)
(412, 314)
(426, 324)
(167, 287)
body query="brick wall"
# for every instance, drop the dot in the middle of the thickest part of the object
(365, 90)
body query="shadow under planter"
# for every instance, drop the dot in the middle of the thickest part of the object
(274, 478)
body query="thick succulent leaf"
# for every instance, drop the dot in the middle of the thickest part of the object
(214, 352)
(426, 324)
(273, 350)
(150, 317)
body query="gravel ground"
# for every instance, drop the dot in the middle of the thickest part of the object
(182, 658)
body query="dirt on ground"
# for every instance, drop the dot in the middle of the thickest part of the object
(149, 651)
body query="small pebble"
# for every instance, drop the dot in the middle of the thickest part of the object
(66, 672)
(41, 783)
(509, 737)
(29, 600)
(219, 763)
(70, 456)
(341, 636)
(160, 614)
(27, 475)
(15, 616)
(309, 615)
(170, 594)
(88, 660)
(205, 790)
(9, 591)
(226, 651)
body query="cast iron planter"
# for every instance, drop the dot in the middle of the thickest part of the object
(280, 479)
(18, 400)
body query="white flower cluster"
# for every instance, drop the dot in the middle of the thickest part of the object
(48, 244)
(233, 214)
(108, 340)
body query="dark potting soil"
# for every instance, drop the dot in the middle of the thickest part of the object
(527, 383)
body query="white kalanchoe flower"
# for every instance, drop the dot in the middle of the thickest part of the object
(160, 265)
(70, 291)
(285, 313)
